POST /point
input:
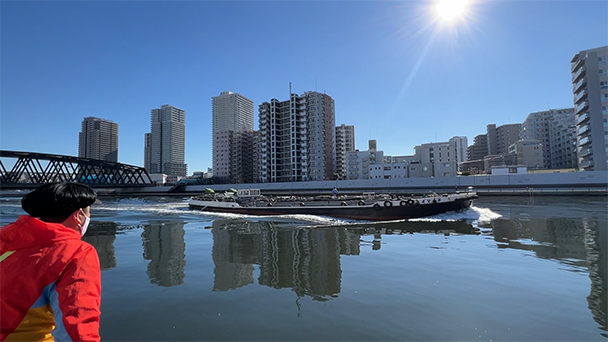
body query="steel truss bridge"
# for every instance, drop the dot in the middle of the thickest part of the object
(33, 169)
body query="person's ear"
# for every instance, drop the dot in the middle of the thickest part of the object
(77, 216)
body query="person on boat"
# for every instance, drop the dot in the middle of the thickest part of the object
(334, 192)
(51, 280)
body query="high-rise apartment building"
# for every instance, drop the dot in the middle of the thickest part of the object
(458, 146)
(526, 152)
(232, 115)
(538, 126)
(297, 138)
(479, 149)
(345, 142)
(98, 139)
(562, 140)
(147, 151)
(501, 137)
(590, 89)
(239, 152)
(166, 143)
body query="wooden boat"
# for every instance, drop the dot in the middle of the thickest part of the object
(377, 208)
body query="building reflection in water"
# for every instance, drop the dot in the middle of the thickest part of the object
(578, 243)
(596, 243)
(164, 246)
(102, 236)
(233, 255)
(305, 260)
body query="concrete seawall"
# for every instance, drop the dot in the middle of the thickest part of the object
(561, 184)
(571, 183)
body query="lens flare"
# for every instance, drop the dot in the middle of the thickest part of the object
(451, 9)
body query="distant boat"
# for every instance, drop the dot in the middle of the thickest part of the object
(372, 208)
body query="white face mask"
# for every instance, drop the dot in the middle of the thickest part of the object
(85, 225)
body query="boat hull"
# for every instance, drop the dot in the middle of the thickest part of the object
(379, 211)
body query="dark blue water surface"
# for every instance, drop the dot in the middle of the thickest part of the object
(509, 269)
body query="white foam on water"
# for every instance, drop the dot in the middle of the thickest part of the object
(133, 206)
(471, 214)
(486, 215)
(305, 218)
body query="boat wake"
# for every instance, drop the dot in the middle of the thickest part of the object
(473, 214)
(137, 208)
(303, 219)
(480, 215)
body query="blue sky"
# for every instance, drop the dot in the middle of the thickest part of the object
(396, 73)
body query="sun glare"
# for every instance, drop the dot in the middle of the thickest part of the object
(451, 9)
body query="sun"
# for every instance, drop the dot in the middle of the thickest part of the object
(451, 9)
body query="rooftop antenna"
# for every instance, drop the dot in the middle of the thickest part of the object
(289, 89)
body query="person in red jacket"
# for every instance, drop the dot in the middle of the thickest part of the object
(50, 279)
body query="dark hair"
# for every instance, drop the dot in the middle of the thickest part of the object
(55, 202)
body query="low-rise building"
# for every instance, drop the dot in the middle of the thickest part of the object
(528, 153)
(388, 170)
(418, 169)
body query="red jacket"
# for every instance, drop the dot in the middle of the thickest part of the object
(50, 285)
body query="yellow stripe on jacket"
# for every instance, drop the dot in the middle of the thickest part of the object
(35, 326)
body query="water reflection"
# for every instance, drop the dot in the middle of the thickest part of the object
(596, 243)
(554, 238)
(102, 236)
(164, 246)
(306, 260)
(580, 244)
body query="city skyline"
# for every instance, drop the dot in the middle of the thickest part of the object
(395, 73)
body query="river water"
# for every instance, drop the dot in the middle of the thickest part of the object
(508, 269)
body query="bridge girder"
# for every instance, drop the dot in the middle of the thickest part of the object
(32, 169)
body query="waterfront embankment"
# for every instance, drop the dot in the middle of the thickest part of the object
(559, 183)
(562, 184)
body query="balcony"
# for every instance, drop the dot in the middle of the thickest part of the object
(584, 152)
(578, 74)
(582, 95)
(579, 84)
(583, 129)
(576, 64)
(586, 164)
(583, 106)
(584, 141)
(582, 118)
